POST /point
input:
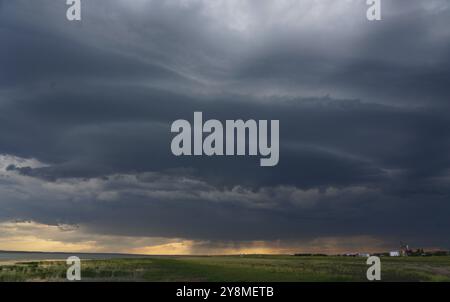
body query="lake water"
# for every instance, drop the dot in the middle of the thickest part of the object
(18, 256)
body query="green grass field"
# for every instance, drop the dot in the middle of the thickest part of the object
(234, 268)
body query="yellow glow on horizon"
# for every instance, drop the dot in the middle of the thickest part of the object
(33, 236)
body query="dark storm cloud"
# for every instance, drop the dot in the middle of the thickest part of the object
(404, 59)
(323, 141)
(95, 100)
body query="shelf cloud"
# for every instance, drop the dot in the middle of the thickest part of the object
(86, 109)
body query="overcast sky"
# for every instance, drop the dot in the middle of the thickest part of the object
(86, 109)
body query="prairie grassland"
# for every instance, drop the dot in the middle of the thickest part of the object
(234, 268)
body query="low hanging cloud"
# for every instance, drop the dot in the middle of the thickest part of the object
(32, 236)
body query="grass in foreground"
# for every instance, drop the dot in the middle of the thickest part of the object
(234, 268)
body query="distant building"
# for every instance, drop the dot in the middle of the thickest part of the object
(366, 255)
(394, 254)
(351, 254)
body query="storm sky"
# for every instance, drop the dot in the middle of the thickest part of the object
(86, 109)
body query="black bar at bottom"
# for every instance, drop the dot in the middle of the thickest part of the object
(207, 291)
